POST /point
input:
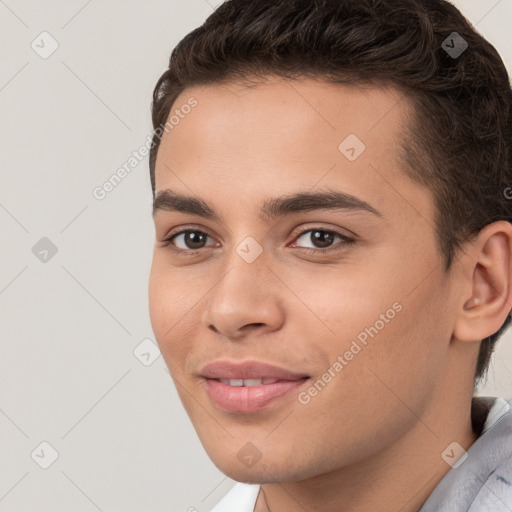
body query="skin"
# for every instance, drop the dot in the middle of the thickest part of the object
(372, 439)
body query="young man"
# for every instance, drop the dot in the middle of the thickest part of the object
(333, 255)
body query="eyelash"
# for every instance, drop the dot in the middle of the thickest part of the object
(345, 241)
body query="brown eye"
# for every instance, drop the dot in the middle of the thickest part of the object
(189, 240)
(322, 240)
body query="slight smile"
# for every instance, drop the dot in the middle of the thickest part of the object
(249, 386)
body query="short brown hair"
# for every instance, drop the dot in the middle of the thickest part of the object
(460, 143)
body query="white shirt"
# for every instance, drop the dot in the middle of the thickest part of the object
(241, 498)
(482, 483)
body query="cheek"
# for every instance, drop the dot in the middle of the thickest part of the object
(341, 305)
(169, 295)
(404, 355)
(388, 319)
(384, 365)
(176, 301)
(166, 308)
(157, 295)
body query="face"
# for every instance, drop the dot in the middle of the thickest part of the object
(345, 294)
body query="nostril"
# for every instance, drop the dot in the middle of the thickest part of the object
(250, 326)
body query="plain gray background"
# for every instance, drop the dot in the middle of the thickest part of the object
(72, 320)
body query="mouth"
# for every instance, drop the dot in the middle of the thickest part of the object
(247, 371)
(249, 386)
(247, 382)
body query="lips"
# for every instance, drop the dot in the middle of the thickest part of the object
(249, 386)
(248, 370)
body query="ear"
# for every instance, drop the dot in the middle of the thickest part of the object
(487, 297)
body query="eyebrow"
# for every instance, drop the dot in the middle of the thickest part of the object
(169, 200)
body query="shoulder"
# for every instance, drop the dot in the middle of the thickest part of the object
(496, 493)
(483, 480)
(496, 455)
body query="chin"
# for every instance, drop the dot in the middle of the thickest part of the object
(262, 472)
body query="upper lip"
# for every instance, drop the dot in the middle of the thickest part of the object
(248, 370)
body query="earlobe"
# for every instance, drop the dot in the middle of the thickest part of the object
(489, 292)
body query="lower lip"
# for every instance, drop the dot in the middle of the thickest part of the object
(246, 399)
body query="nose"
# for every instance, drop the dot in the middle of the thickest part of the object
(247, 298)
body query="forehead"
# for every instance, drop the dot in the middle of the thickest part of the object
(282, 136)
(294, 110)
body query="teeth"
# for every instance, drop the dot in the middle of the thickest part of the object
(247, 382)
